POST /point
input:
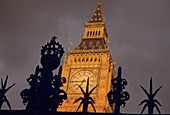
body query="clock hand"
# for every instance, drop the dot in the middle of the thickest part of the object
(77, 81)
(83, 82)
(80, 84)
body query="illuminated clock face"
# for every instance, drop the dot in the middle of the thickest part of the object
(80, 78)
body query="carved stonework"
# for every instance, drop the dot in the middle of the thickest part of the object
(93, 47)
(84, 44)
(78, 48)
(100, 47)
(97, 44)
(90, 44)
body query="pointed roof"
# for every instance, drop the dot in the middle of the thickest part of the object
(87, 44)
(97, 16)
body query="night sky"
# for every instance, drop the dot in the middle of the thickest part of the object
(139, 34)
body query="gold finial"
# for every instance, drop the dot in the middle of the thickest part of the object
(99, 3)
(86, 19)
(114, 62)
(69, 49)
(104, 18)
(71, 43)
(65, 59)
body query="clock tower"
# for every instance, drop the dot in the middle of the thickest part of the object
(90, 59)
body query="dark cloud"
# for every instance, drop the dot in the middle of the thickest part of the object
(138, 32)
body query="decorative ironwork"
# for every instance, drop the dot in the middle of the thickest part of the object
(87, 99)
(117, 96)
(3, 91)
(150, 102)
(44, 93)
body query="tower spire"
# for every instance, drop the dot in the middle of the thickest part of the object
(97, 16)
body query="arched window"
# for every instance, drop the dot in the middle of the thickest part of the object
(95, 59)
(79, 60)
(83, 60)
(91, 59)
(88, 33)
(93, 33)
(99, 33)
(96, 33)
(75, 60)
(87, 59)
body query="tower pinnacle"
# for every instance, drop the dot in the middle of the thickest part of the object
(97, 16)
(90, 59)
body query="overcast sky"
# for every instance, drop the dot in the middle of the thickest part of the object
(139, 33)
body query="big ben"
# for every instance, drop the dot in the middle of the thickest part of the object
(90, 59)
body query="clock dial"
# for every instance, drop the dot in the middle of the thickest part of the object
(80, 78)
